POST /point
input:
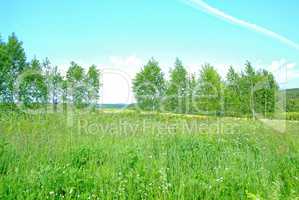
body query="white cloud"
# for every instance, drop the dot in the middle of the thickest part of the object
(199, 4)
(283, 71)
(116, 86)
(117, 79)
(277, 64)
(291, 65)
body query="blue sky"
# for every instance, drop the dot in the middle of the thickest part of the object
(120, 36)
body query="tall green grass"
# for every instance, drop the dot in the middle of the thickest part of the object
(129, 155)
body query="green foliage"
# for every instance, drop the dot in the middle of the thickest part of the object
(81, 157)
(4, 162)
(193, 159)
(75, 77)
(4, 71)
(292, 105)
(53, 80)
(36, 84)
(232, 93)
(13, 62)
(93, 85)
(209, 91)
(176, 92)
(191, 94)
(149, 86)
(248, 82)
(32, 88)
(75, 73)
(64, 94)
(250, 93)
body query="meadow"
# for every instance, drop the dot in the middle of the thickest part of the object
(143, 155)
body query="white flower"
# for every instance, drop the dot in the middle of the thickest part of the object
(219, 179)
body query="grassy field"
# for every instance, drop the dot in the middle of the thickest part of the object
(130, 155)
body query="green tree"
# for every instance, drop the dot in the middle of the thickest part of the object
(258, 91)
(47, 70)
(191, 94)
(209, 90)
(247, 86)
(292, 105)
(76, 82)
(16, 65)
(4, 71)
(273, 92)
(33, 91)
(232, 93)
(54, 86)
(93, 85)
(176, 92)
(149, 86)
(265, 92)
(64, 94)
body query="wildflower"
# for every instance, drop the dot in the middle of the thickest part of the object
(219, 179)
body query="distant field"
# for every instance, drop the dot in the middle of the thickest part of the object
(130, 155)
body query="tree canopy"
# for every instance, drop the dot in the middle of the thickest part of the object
(34, 83)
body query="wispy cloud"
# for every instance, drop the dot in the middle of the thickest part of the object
(201, 5)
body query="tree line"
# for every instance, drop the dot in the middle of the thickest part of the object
(36, 83)
(249, 92)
